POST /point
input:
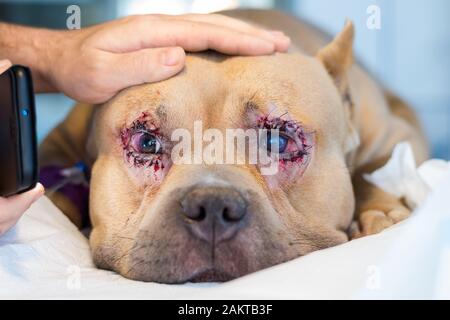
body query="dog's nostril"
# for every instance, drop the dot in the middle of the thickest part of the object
(226, 215)
(195, 213)
(201, 214)
(229, 217)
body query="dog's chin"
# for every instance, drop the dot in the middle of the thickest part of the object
(210, 275)
(202, 275)
(195, 271)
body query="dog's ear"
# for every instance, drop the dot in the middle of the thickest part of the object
(337, 56)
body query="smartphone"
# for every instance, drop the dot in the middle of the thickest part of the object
(18, 141)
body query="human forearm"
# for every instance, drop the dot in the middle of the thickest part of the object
(30, 47)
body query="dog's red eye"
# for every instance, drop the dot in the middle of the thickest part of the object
(293, 142)
(144, 142)
(282, 142)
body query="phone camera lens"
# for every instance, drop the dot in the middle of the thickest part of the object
(25, 112)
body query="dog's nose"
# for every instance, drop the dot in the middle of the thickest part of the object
(214, 214)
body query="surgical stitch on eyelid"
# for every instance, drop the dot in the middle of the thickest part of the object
(291, 127)
(141, 124)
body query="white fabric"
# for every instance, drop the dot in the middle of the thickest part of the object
(401, 177)
(45, 256)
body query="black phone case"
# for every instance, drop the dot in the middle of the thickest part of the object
(18, 142)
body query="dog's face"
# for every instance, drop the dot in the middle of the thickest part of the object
(154, 220)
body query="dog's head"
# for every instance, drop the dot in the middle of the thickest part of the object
(157, 220)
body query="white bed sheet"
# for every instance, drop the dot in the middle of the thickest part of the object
(45, 256)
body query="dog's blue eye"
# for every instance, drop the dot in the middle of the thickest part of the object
(282, 142)
(146, 143)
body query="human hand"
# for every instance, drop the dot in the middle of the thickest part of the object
(4, 65)
(91, 65)
(12, 208)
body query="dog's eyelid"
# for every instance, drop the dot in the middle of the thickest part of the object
(144, 122)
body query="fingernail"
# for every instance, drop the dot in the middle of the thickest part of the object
(39, 189)
(5, 63)
(172, 57)
(283, 42)
(277, 33)
(268, 46)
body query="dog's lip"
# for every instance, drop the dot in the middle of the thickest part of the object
(210, 275)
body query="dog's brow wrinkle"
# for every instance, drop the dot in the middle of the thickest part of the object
(251, 106)
(161, 112)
